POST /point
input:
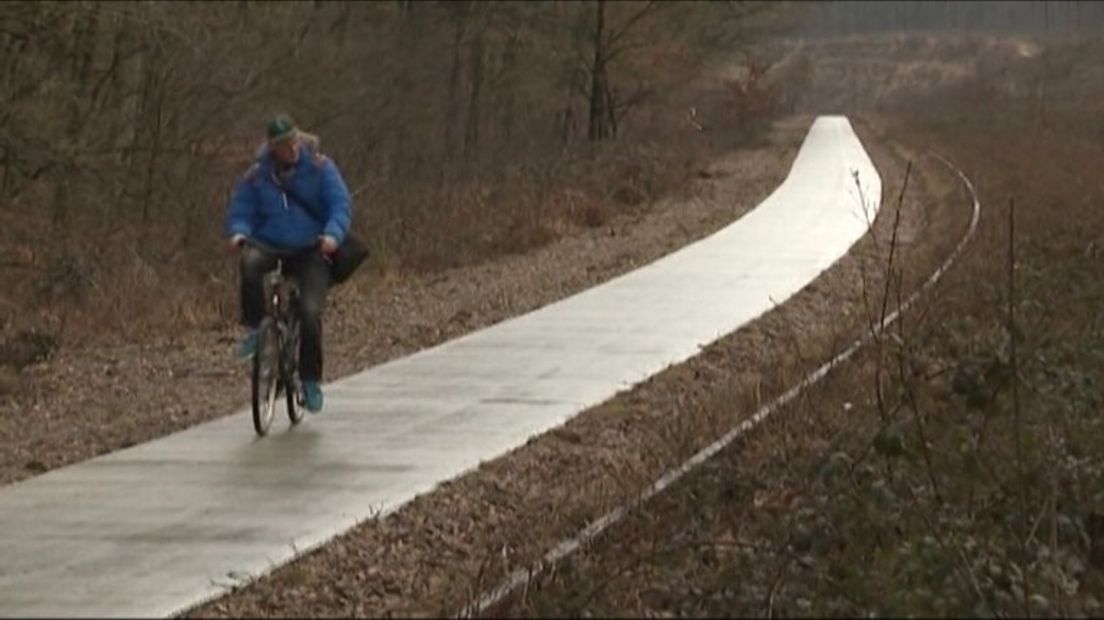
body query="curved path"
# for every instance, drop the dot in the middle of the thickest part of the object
(525, 575)
(157, 528)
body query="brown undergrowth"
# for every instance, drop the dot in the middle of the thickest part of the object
(952, 468)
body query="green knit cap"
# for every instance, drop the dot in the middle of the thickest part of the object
(280, 128)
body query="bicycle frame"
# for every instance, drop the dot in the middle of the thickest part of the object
(280, 298)
(280, 373)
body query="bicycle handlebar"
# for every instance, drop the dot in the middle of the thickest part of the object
(264, 247)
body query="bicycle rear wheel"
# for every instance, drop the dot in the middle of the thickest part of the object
(266, 376)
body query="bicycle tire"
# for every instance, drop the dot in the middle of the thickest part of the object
(292, 385)
(266, 376)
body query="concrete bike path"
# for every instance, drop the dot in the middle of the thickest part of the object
(157, 528)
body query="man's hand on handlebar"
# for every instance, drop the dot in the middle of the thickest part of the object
(327, 244)
(237, 242)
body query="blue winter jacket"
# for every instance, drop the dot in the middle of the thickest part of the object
(260, 210)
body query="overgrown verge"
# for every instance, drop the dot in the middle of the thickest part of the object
(953, 468)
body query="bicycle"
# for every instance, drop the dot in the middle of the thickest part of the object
(276, 360)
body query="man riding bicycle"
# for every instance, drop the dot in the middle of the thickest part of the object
(291, 203)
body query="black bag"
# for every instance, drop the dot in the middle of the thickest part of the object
(350, 254)
(348, 257)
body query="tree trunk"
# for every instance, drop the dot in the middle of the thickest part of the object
(566, 124)
(341, 24)
(403, 162)
(611, 111)
(471, 135)
(453, 89)
(599, 116)
(129, 87)
(59, 210)
(243, 14)
(83, 44)
(509, 90)
(5, 181)
(151, 167)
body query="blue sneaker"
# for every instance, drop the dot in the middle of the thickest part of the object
(312, 393)
(248, 347)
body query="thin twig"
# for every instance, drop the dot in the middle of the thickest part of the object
(973, 580)
(893, 242)
(774, 586)
(914, 404)
(885, 292)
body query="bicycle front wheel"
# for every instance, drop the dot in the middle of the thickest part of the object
(266, 376)
(292, 388)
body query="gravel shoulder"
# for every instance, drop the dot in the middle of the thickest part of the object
(445, 548)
